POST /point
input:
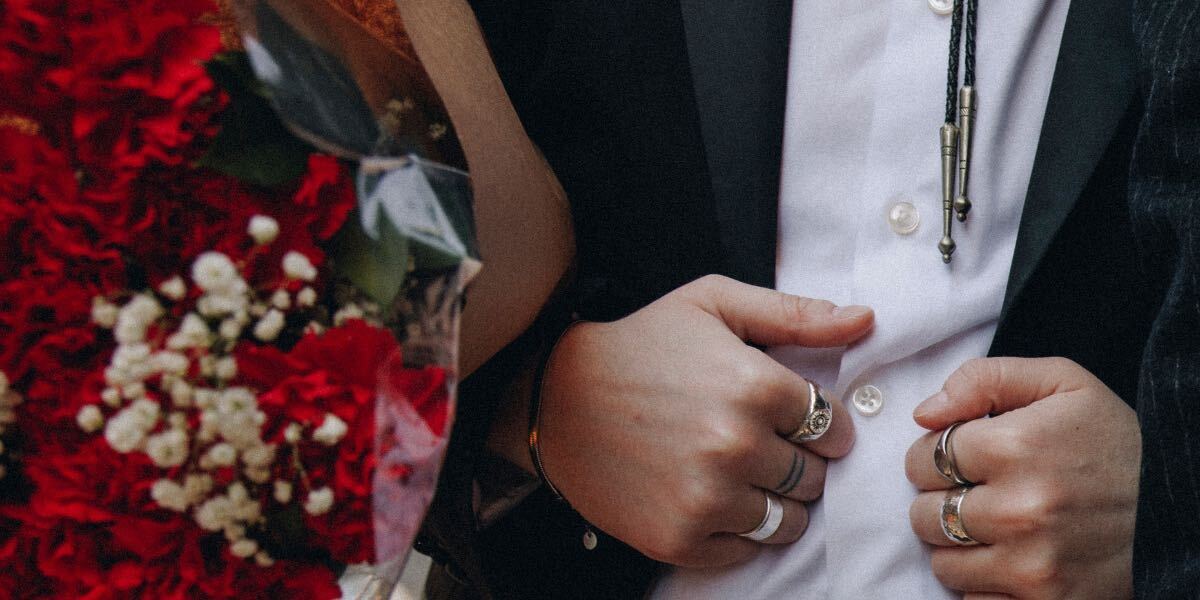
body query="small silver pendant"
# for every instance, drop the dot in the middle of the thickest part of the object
(589, 539)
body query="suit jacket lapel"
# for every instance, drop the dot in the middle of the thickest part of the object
(1092, 90)
(738, 52)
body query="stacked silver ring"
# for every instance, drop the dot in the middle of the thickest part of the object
(951, 513)
(770, 521)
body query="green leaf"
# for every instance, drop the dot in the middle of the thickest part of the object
(377, 267)
(253, 144)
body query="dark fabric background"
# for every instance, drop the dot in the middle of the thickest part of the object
(1165, 203)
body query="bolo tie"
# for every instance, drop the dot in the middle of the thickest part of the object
(958, 129)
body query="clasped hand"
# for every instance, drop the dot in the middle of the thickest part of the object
(665, 428)
(1056, 468)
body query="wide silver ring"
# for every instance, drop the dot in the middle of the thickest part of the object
(817, 419)
(943, 458)
(952, 521)
(770, 521)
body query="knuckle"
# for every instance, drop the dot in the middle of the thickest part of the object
(708, 284)
(698, 503)
(798, 309)
(730, 444)
(752, 378)
(1040, 573)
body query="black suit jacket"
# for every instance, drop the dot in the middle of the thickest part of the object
(664, 121)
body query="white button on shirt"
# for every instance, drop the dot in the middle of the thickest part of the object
(866, 96)
(867, 400)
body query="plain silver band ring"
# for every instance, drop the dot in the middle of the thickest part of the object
(770, 521)
(817, 418)
(952, 521)
(944, 460)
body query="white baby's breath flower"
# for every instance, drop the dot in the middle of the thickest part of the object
(261, 455)
(214, 272)
(170, 495)
(268, 328)
(196, 486)
(230, 329)
(292, 432)
(281, 300)
(133, 391)
(297, 266)
(168, 449)
(282, 491)
(331, 431)
(222, 455)
(319, 501)
(263, 229)
(219, 305)
(262, 559)
(111, 397)
(89, 418)
(350, 311)
(206, 398)
(171, 363)
(314, 328)
(243, 548)
(225, 368)
(215, 514)
(123, 432)
(177, 420)
(258, 475)
(104, 313)
(193, 333)
(307, 297)
(181, 393)
(135, 318)
(235, 532)
(173, 288)
(145, 412)
(258, 309)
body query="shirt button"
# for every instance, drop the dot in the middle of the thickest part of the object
(941, 7)
(868, 400)
(903, 218)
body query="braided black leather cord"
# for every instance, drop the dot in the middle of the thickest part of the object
(969, 75)
(952, 71)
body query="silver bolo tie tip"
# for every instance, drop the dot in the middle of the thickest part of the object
(949, 137)
(966, 121)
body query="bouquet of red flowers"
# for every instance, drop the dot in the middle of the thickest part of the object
(227, 339)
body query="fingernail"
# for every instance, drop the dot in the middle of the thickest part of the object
(850, 312)
(933, 404)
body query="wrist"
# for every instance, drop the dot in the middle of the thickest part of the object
(537, 390)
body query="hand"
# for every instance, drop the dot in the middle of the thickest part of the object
(664, 428)
(1057, 474)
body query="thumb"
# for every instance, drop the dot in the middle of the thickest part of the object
(991, 386)
(770, 318)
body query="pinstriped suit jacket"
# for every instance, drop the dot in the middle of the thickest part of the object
(1164, 198)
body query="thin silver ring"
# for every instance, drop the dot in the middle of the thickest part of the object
(944, 460)
(952, 521)
(817, 419)
(771, 520)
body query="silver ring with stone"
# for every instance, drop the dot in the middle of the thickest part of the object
(952, 521)
(770, 521)
(817, 419)
(944, 461)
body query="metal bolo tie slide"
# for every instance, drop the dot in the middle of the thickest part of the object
(956, 138)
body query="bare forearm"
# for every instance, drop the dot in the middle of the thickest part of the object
(522, 217)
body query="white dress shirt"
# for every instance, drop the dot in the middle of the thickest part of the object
(866, 96)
